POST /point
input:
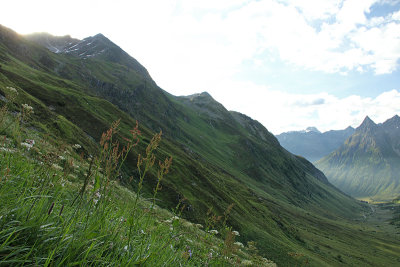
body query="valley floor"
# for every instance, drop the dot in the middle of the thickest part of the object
(382, 218)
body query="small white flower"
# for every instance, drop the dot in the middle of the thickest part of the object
(27, 108)
(61, 157)
(57, 167)
(247, 263)
(12, 89)
(236, 233)
(239, 244)
(199, 226)
(77, 146)
(215, 232)
(126, 248)
(26, 145)
(7, 149)
(30, 141)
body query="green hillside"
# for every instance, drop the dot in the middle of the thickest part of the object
(220, 158)
(367, 165)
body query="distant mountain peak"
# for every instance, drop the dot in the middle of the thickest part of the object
(367, 124)
(392, 126)
(394, 119)
(97, 46)
(203, 96)
(368, 120)
(100, 35)
(312, 129)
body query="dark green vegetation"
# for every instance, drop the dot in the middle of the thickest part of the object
(367, 165)
(281, 201)
(59, 209)
(312, 144)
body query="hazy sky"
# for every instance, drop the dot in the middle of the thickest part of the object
(287, 63)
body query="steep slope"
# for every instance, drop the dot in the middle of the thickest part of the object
(220, 157)
(367, 165)
(392, 128)
(312, 144)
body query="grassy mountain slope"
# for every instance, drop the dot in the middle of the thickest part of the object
(220, 157)
(368, 164)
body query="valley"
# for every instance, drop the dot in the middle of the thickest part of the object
(222, 160)
(382, 217)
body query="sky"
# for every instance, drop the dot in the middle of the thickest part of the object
(289, 64)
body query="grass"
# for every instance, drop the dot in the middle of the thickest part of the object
(280, 201)
(61, 209)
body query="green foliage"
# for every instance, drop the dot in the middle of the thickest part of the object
(280, 201)
(79, 215)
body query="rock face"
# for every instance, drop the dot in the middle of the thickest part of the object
(367, 165)
(312, 144)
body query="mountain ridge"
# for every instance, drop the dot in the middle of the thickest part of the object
(311, 143)
(218, 160)
(370, 153)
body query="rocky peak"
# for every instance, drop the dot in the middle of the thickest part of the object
(393, 122)
(312, 129)
(367, 125)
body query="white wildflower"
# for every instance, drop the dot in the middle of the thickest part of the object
(199, 226)
(187, 224)
(26, 145)
(97, 197)
(77, 146)
(175, 218)
(61, 157)
(7, 149)
(57, 167)
(236, 233)
(12, 89)
(239, 244)
(247, 263)
(126, 248)
(27, 108)
(30, 141)
(215, 232)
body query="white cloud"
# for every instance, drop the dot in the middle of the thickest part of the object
(280, 111)
(194, 46)
(215, 37)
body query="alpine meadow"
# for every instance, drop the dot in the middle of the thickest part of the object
(99, 166)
